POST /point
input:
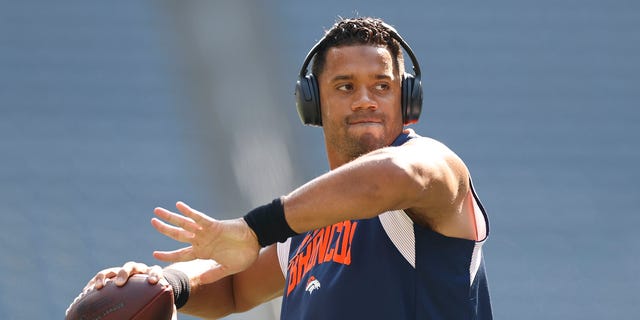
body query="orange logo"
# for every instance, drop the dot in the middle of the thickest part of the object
(332, 243)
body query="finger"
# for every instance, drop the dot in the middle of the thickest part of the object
(155, 274)
(130, 268)
(172, 232)
(100, 278)
(197, 216)
(184, 254)
(176, 219)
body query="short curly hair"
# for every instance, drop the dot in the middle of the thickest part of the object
(358, 31)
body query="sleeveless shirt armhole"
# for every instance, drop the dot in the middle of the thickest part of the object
(476, 255)
(283, 255)
(479, 208)
(399, 228)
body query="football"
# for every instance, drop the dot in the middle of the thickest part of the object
(137, 300)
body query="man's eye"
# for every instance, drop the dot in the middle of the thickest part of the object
(382, 86)
(345, 87)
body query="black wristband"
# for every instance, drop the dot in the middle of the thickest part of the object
(269, 224)
(179, 282)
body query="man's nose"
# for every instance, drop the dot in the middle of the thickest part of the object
(364, 99)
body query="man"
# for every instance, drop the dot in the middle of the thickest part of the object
(393, 231)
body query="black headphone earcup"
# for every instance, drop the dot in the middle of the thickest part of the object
(308, 100)
(411, 98)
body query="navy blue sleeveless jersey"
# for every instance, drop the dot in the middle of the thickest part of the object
(385, 267)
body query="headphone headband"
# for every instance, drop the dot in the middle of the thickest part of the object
(394, 34)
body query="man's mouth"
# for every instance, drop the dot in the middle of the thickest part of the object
(364, 121)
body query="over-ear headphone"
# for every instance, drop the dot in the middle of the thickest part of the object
(308, 94)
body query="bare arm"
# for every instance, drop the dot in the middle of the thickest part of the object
(422, 176)
(261, 282)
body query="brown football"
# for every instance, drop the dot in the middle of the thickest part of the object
(137, 299)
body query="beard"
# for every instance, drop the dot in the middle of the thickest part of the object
(353, 146)
(348, 140)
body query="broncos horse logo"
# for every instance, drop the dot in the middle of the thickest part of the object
(312, 284)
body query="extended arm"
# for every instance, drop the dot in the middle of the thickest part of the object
(261, 282)
(422, 177)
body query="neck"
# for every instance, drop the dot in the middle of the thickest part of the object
(338, 156)
(336, 159)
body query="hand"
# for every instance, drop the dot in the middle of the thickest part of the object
(122, 274)
(231, 243)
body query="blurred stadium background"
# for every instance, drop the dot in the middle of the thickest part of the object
(109, 109)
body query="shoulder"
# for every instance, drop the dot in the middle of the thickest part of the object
(427, 143)
(431, 152)
(444, 176)
(414, 139)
